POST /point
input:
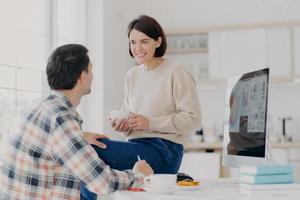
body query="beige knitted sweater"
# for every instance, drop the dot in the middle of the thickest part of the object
(166, 95)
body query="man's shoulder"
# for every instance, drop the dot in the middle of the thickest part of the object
(52, 103)
(48, 106)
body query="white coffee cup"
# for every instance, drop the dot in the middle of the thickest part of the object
(160, 181)
(118, 114)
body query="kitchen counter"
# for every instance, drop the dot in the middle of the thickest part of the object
(218, 146)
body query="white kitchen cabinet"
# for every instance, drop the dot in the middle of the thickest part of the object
(294, 159)
(296, 57)
(291, 156)
(212, 55)
(279, 52)
(237, 51)
(280, 156)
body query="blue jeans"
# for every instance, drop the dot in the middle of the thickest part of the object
(162, 155)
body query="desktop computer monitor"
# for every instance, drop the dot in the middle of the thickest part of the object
(245, 125)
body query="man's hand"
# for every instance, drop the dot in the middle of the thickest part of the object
(92, 139)
(143, 167)
(138, 122)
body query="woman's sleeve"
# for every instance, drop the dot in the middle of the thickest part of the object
(188, 113)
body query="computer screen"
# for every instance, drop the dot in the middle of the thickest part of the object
(245, 125)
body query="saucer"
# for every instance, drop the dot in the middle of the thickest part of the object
(189, 188)
(166, 190)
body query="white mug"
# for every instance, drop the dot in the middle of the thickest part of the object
(118, 114)
(160, 181)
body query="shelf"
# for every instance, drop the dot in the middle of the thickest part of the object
(185, 43)
(285, 145)
(204, 146)
(221, 83)
(191, 50)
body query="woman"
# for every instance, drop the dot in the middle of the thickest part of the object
(163, 104)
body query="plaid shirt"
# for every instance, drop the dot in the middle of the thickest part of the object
(47, 157)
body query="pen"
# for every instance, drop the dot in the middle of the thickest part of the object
(138, 157)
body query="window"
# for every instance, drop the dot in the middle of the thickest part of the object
(25, 42)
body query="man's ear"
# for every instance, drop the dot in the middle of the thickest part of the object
(82, 76)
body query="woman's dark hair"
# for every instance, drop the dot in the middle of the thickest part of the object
(65, 65)
(152, 29)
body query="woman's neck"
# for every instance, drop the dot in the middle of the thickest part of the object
(153, 64)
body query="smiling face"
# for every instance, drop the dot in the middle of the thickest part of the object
(142, 46)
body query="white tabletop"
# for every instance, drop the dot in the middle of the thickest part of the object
(221, 189)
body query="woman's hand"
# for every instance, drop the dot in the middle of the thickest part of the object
(138, 122)
(91, 138)
(120, 125)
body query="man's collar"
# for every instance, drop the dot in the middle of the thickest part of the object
(62, 96)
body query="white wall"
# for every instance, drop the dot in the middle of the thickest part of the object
(182, 15)
(107, 40)
(201, 13)
(69, 19)
(93, 115)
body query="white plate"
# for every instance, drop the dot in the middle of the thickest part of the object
(189, 188)
(161, 190)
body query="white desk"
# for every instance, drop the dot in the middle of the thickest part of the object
(217, 146)
(221, 189)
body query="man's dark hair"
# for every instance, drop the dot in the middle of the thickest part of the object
(65, 65)
(150, 27)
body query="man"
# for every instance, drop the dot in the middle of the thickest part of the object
(46, 155)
